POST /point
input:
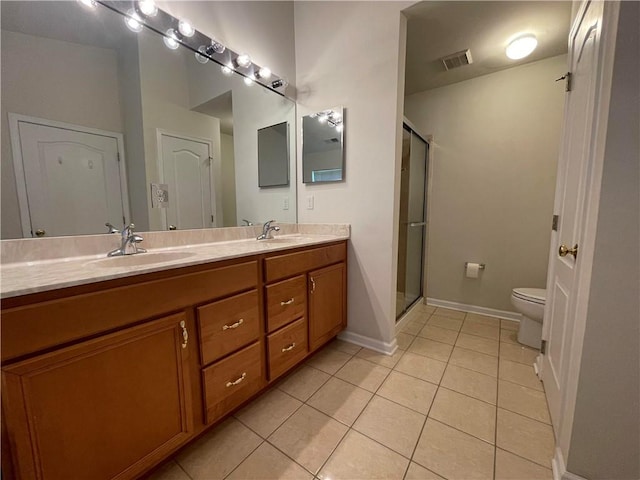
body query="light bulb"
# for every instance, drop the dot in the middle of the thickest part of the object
(248, 81)
(133, 21)
(264, 73)
(227, 70)
(322, 118)
(88, 3)
(339, 127)
(201, 55)
(337, 116)
(521, 47)
(171, 39)
(243, 60)
(185, 28)
(148, 8)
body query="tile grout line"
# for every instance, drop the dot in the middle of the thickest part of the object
(495, 433)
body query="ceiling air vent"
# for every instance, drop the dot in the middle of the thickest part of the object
(457, 59)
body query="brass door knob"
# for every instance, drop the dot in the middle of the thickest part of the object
(564, 250)
(40, 233)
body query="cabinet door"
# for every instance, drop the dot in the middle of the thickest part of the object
(105, 408)
(327, 304)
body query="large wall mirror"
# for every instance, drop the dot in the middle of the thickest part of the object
(323, 146)
(104, 124)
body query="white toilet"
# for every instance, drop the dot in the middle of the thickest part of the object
(530, 303)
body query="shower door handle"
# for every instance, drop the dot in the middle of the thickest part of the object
(417, 224)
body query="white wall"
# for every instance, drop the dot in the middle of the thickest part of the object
(352, 54)
(605, 441)
(263, 29)
(495, 150)
(228, 181)
(54, 80)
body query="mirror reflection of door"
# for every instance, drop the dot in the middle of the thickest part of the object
(186, 167)
(73, 181)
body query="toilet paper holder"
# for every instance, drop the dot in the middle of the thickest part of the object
(481, 265)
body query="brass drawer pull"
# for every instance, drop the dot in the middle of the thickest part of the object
(289, 348)
(185, 334)
(287, 302)
(237, 381)
(313, 285)
(233, 325)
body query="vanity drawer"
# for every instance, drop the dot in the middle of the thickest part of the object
(231, 381)
(288, 265)
(287, 347)
(227, 325)
(286, 301)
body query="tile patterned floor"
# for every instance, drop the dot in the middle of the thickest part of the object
(459, 400)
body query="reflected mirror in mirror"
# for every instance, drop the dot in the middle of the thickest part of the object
(104, 124)
(323, 146)
(273, 155)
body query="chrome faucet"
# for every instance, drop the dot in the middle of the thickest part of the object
(267, 229)
(129, 243)
(111, 228)
(247, 223)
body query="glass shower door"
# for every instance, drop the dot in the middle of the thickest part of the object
(413, 220)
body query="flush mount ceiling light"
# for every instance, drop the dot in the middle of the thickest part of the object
(521, 46)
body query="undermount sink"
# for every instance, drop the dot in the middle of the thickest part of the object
(141, 259)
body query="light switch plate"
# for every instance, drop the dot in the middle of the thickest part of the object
(159, 195)
(309, 202)
(285, 203)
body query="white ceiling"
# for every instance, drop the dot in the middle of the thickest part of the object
(439, 28)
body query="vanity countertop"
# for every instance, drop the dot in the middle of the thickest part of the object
(25, 277)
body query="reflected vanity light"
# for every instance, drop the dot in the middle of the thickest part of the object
(88, 3)
(171, 39)
(133, 21)
(148, 8)
(248, 81)
(521, 47)
(227, 70)
(330, 117)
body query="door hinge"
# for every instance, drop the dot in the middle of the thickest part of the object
(567, 81)
(212, 219)
(543, 347)
(554, 223)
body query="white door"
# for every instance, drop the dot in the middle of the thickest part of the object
(72, 180)
(187, 169)
(574, 170)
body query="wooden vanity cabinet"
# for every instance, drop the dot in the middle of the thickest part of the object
(107, 380)
(315, 280)
(103, 408)
(327, 304)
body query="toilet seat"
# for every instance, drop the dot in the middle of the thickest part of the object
(532, 295)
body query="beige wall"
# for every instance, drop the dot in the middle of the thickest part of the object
(496, 144)
(357, 62)
(605, 441)
(54, 80)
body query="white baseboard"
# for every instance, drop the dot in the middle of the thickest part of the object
(388, 348)
(560, 470)
(490, 312)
